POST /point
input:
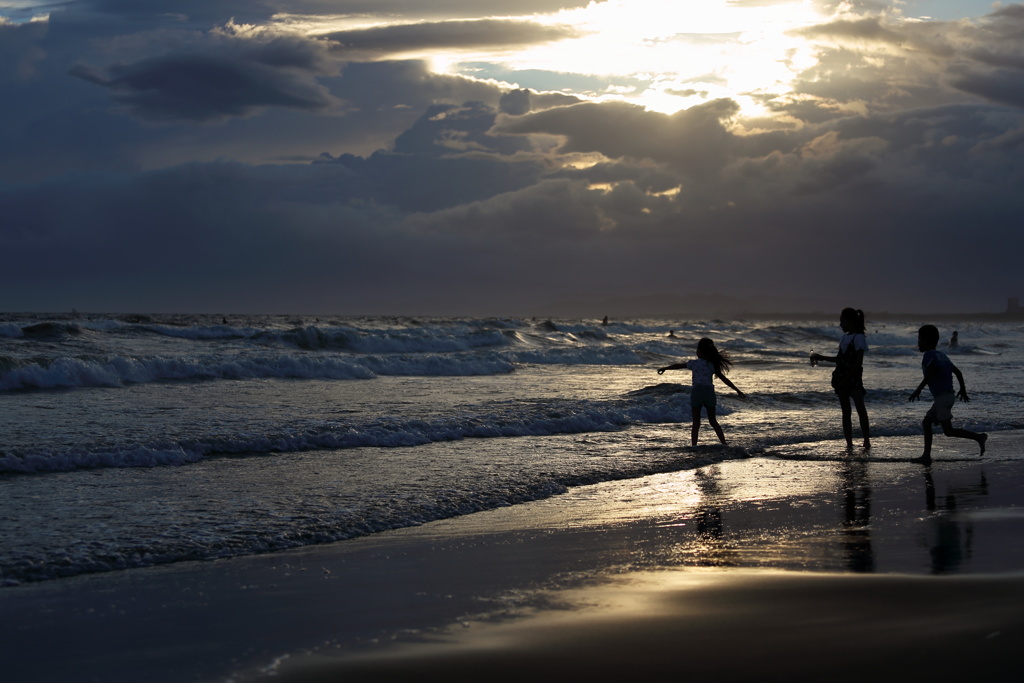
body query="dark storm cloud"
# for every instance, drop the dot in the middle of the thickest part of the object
(693, 137)
(1013, 60)
(886, 32)
(435, 8)
(19, 50)
(221, 11)
(915, 181)
(489, 33)
(835, 204)
(996, 49)
(915, 64)
(382, 99)
(200, 10)
(522, 101)
(451, 204)
(870, 29)
(448, 157)
(185, 233)
(896, 179)
(534, 237)
(231, 77)
(234, 236)
(1006, 22)
(999, 85)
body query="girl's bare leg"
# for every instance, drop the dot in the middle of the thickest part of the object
(862, 414)
(844, 405)
(695, 426)
(713, 421)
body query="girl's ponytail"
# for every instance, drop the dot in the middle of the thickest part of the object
(855, 317)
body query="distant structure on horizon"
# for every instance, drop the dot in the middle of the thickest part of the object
(1013, 305)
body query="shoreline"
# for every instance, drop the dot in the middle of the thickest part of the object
(881, 527)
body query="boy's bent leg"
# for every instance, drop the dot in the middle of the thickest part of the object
(949, 430)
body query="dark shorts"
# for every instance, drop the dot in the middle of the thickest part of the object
(703, 396)
(851, 391)
(849, 385)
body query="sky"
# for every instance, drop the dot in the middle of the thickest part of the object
(522, 157)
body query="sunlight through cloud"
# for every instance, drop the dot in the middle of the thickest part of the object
(668, 55)
(660, 54)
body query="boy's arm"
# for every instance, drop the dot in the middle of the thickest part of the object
(729, 383)
(962, 394)
(920, 387)
(674, 366)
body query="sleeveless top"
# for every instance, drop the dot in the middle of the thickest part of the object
(848, 375)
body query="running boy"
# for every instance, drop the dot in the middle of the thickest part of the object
(938, 375)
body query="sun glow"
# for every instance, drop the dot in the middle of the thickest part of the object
(664, 55)
(674, 54)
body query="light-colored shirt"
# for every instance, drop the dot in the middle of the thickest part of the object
(859, 341)
(703, 371)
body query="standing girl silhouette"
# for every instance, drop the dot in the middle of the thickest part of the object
(847, 378)
(710, 363)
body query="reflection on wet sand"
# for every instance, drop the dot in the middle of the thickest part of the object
(709, 513)
(856, 524)
(730, 521)
(949, 536)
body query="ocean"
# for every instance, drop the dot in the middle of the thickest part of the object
(135, 441)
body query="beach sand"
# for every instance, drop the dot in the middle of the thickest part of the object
(801, 564)
(731, 625)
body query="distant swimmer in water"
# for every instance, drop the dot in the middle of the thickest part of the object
(605, 321)
(954, 341)
(672, 334)
(710, 363)
(938, 375)
(847, 378)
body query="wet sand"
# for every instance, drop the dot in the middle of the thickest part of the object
(730, 625)
(800, 564)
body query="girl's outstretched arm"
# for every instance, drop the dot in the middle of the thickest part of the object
(818, 358)
(729, 384)
(674, 366)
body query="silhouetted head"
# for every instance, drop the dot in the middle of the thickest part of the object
(707, 350)
(852, 320)
(927, 337)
